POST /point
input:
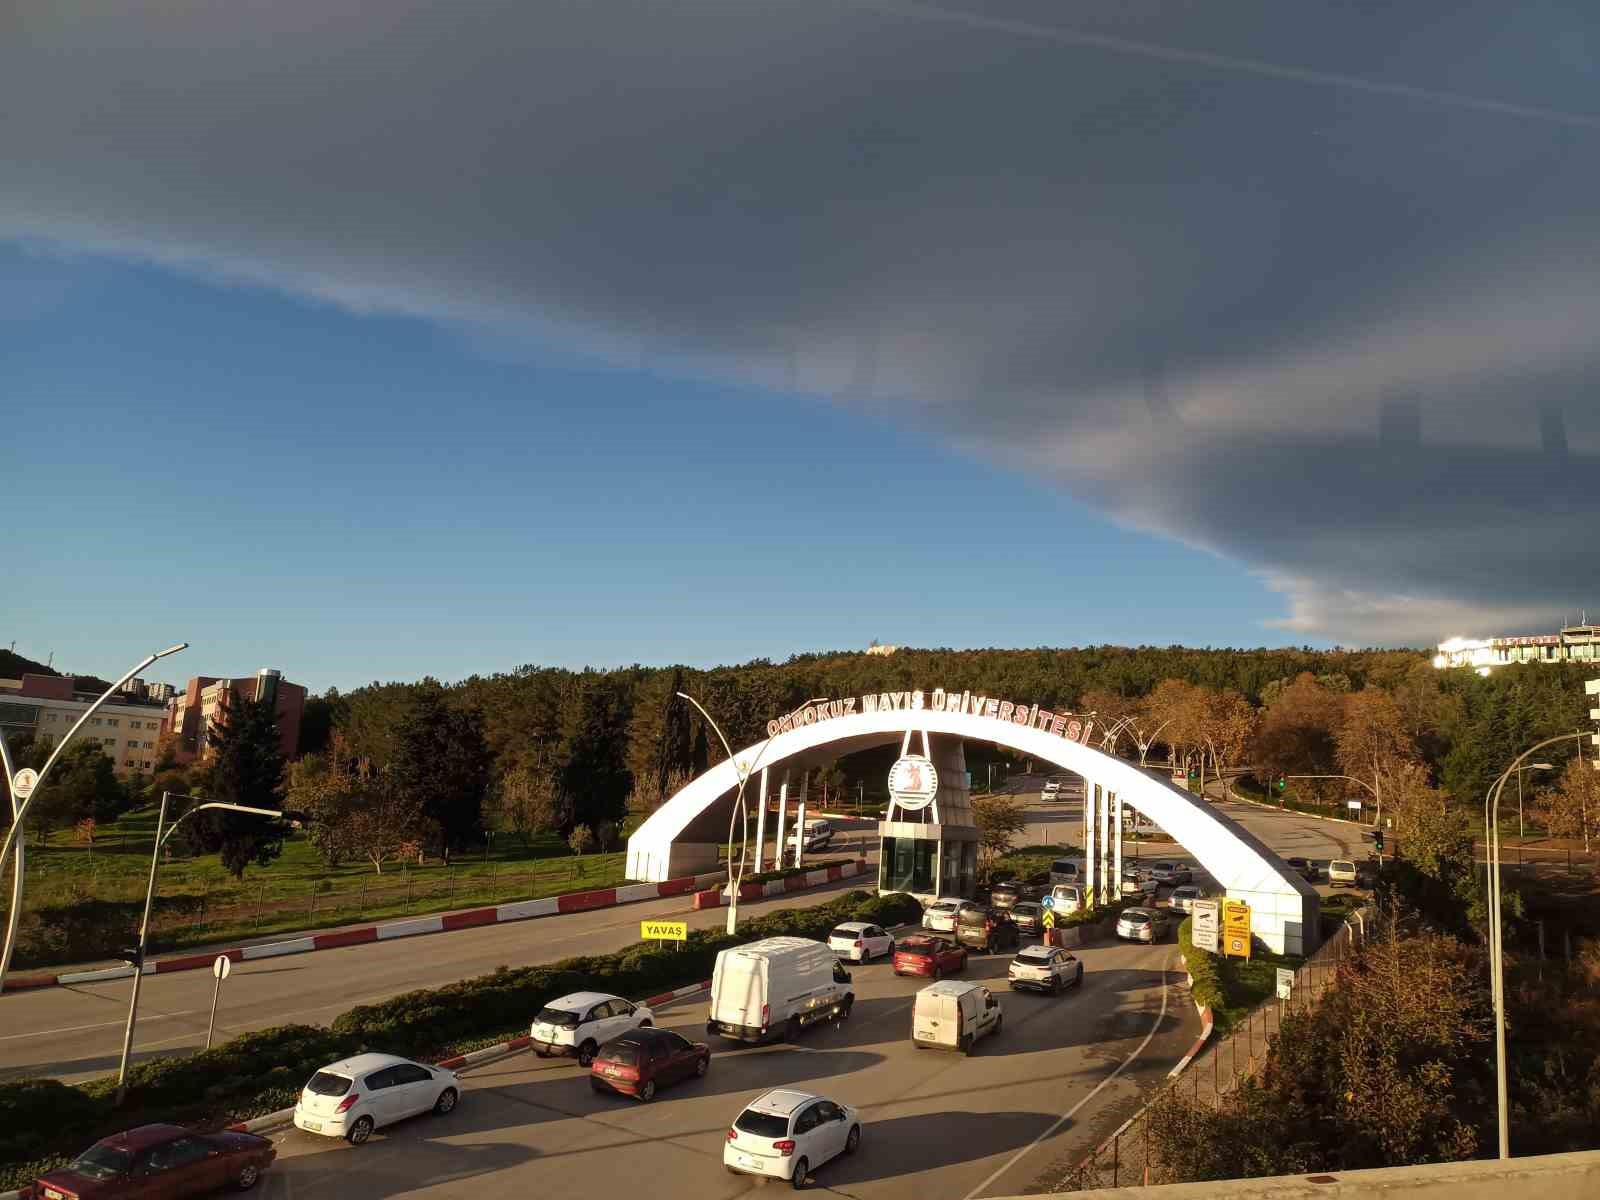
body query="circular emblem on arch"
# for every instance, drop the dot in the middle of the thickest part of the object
(913, 783)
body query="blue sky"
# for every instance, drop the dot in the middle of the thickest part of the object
(354, 497)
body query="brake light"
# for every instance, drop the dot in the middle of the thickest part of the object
(348, 1102)
(733, 1135)
(785, 1147)
(766, 1014)
(858, 943)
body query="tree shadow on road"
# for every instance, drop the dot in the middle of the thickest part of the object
(929, 1142)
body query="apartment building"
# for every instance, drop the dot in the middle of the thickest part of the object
(127, 727)
(204, 702)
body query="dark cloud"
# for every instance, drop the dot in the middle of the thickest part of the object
(1311, 286)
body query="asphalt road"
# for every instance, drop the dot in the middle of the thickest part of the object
(1063, 1072)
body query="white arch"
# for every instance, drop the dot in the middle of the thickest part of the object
(1284, 908)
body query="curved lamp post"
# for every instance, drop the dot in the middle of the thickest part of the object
(1497, 964)
(149, 896)
(19, 812)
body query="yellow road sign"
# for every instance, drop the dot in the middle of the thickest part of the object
(1236, 917)
(1237, 945)
(665, 931)
(1049, 919)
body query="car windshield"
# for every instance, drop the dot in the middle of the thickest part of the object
(1004, 889)
(943, 906)
(846, 934)
(561, 1018)
(326, 1083)
(102, 1162)
(761, 1124)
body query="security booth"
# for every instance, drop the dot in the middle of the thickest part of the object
(929, 842)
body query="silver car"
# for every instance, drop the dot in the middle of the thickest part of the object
(1142, 924)
(1183, 898)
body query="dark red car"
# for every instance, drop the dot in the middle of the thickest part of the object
(159, 1162)
(642, 1060)
(923, 955)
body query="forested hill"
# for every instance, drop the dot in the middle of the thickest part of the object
(14, 666)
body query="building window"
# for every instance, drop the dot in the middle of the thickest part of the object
(135, 724)
(94, 720)
(149, 745)
(113, 722)
(108, 741)
(51, 717)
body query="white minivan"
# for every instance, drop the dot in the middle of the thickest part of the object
(1067, 870)
(817, 835)
(953, 1014)
(1066, 898)
(776, 987)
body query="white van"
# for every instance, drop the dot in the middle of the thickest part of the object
(774, 988)
(953, 1014)
(1066, 898)
(1067, 870)
(817, 835)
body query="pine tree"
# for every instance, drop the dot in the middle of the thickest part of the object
(246, 767)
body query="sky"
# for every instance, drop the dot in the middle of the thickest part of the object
(378, 340)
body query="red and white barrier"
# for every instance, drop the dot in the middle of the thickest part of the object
(499, 914)
(717, 897)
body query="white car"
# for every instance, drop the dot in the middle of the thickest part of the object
(1171, 873)
(352, 1097)
(1139, 885)
(1142, 924)
(940, 916)
(860, 942)
(1051, 790)
(787, 1135)
(1183, 898)
(576, 1026)
(1045, 969)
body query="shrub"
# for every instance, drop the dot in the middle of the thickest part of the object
(1207, 988)
(32, 1109)
(581, 840)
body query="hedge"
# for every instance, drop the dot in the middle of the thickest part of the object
(41, 1120)
(1207, 987)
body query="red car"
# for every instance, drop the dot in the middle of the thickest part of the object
(159, 1162)
(923, 955)
(642, 1060)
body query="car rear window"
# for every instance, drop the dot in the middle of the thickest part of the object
(626, 1054)
(561, 1018)
(761, 1124)
(848, 935)
(921, 949)
(1003, 889)
(1136, 918)
(326, 1083)
(973, 916)
(1343, 864)
(102, 1162)
(1035, 954)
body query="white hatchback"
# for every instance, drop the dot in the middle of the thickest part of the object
(786, 1135)
(352, 1097)
(860, 942)
(940, 916)
(1183, 898)
(576, 1026)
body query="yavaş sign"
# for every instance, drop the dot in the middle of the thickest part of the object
(1030, 716)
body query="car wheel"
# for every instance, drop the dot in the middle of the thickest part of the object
(446, 1101)
(965, 1044)
(645, 1024)
(938, 974)
(249, 1175)
(702, 1066)
(359, 1132)
(853, 1142)
(1080, 975)
(597, 1087)
(798, 1179)
(542, 1053)
(844, 1009)
(586, 1053)
(999, 1020)
(647, 1091)
(791, 1031)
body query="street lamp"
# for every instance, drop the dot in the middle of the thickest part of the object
(1520, 770)
(149, 896)
(1497, 963)
(18, 813)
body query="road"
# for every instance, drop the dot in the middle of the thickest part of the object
(936, 1123)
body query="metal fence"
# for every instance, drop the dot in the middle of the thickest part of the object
(1125, 1158)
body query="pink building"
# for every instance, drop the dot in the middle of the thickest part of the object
(205, 701)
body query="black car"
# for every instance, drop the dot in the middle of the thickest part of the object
(987, 929)
(1029, 916)
(1302, 868)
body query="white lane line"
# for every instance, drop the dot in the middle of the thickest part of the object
(1071, 1112)
(11, 1037)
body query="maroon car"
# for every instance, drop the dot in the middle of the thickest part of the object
(638, 1062)
(159, 1162)
(920, 954)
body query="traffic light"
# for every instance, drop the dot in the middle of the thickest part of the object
(1377, 841)
(1283, 784)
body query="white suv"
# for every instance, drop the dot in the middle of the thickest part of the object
(352, 1097)
(785, 1134)
(1045, 969)
(576, 1026)
(1051, 790)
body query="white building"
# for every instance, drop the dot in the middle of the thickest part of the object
(125, 728)
(1575, 643)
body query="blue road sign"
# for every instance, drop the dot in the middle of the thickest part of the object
(1048, 901)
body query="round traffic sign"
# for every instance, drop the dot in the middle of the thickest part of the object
(1048, 901)
(23, 783)
(222, 966)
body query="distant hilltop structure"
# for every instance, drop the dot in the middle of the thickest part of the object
(1575, 643)
(881, 650)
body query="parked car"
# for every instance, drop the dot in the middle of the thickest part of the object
(644, 1060)
(1051, 790)
(1068, 870)
(1045, 969)
(1301, 867)
(775, 988)
(953, 1015)
(860, 942)
(940, 915)
(1066, 898)
(787, 1134)
(1183, 898)
(1029, 916)
(1341, 873)
(576, 1026)
(1142, 924)
(1138, 884)
(920, 954)
(1004, 895)
(354, 1096)
(159, 1161)
(986, 929)
(1171, 873)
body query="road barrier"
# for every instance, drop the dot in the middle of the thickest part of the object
(717, 897)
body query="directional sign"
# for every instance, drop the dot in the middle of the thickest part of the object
(1352, 804)
(1049, 919)
(1048, 901)
(23, 783)
(1285, 983)
(664, 931)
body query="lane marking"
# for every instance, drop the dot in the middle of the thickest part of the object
(11, 1037)
(1071, 1112)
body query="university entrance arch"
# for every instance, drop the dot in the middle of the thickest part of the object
(682, 836)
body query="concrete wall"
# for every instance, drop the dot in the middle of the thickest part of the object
(1548, 1177)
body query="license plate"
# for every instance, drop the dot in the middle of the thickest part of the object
(314, 1126)
(613, 1070)
(52, 1194)
(746, 1160)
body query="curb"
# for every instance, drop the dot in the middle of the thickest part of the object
(1206, 1023)
(1238, 799)
(518, 910)
(717, 897)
